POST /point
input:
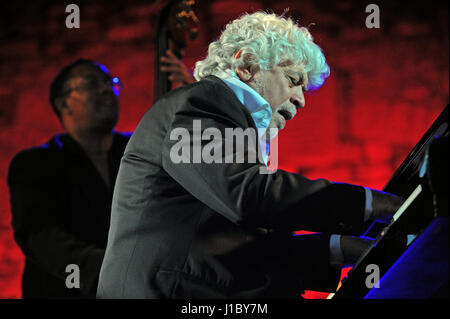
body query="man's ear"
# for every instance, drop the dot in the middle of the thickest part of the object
(244, 74)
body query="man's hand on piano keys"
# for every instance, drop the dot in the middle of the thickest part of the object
(384, 206)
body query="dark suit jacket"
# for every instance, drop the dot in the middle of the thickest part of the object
(60, 215)
(219, 230)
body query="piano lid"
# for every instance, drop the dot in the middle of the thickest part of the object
(407, 175)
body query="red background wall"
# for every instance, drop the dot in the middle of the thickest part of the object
(386, 87)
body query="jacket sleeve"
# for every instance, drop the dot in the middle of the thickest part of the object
(39, 229)
(239, 191)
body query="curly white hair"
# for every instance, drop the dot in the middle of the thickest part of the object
(265, 40)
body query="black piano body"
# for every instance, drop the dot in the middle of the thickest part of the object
(409, 257)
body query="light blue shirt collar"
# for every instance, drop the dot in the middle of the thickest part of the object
(258, 107)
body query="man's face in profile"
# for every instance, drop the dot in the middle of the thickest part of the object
(92, 98)
(283, 88)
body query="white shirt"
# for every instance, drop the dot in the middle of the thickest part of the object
(258, 107)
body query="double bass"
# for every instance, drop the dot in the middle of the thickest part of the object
(176, 23)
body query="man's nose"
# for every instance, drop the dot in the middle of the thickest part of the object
(298, 99)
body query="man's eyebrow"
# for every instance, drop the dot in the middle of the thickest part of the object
(100, 75)
(285, 63)
(298, 73)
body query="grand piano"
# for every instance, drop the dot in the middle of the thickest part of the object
(408, 258)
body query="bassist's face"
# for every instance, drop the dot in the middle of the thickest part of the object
(93, 100)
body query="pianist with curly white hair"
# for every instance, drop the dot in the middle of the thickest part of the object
(186, 226)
